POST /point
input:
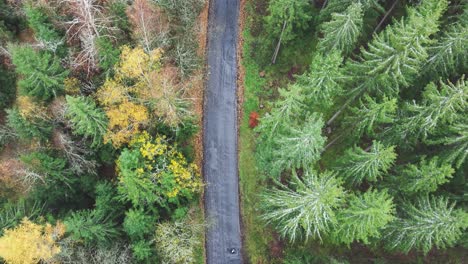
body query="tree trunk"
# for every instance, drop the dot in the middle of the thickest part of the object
(385, 17)
(275, 54)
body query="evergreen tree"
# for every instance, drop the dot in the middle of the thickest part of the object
(358, 165)
(395, 56)
(42, 74)
(364, 218)
(292, 15)
(91, 228)
(86, 118)
(295, 147)
(137, 224)
(455, 143)
(44, 30)
(322, 83)
(28, 128)
(438, 107)
(430, 222)
(370, 114)
(340, 6)
(343, 31)
(425, 177)
(308, 209)
(449, 54)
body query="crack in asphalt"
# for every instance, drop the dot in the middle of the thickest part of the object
(223, 236)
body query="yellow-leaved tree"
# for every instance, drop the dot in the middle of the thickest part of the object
(30, 243)
(139, 88)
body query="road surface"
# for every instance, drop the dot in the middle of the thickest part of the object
(223, 238)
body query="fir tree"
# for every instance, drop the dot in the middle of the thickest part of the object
(44, 31)
(364, 218)
(358, 165)
(307, 210)
(28, 128)
(430, 222)
(339, 6)
(455, 143)
(86, 118)
(42, 73)
(343, 31)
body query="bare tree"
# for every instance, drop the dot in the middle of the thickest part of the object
(88, 24)
(76, 154)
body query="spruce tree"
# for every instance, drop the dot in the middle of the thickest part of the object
(42, 74)
(449, 54)
(91, 228)
(44, 30)
(364, 218)
(357, 165)
(370, 114)
(439, 107)
(86, 118)
(343, 31)
(424, 177)
(454, 141)
(292, 15)
(322, 83)
(429, 222)
(28, 128)
(395, 56)
(308, 209)
(339, 6)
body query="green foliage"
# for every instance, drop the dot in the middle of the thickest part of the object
(137, 224)
(430, 222)
(107, 201)
(28, 128)
(357, 165)
(455, 143)
(142, 250)
(439, 107)
(343, 31)
(364, 218)
(184, 12)
(395, 56)
(340, 6)
(424, 177)
(7, 87)
(449, 54)
(90, 228)
(108, 54)
(42, 74)
(295, 14)
(321, 83)
(295, 147)
(11, 213)
(306, 210)
(86, 118)
(44, 31)
(370, 114)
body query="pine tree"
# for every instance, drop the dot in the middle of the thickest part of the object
(292, 15)
(322, 83)
(364, 218)
(86, 118)
(370, 114)
(358, 165)
(308, 209)
(430, 222)
(343, 31)
(424, 177)
(42, 74)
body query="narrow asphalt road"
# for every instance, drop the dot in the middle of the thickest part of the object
(223, 238)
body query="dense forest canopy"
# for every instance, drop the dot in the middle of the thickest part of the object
(362, 141)
(97, 117)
